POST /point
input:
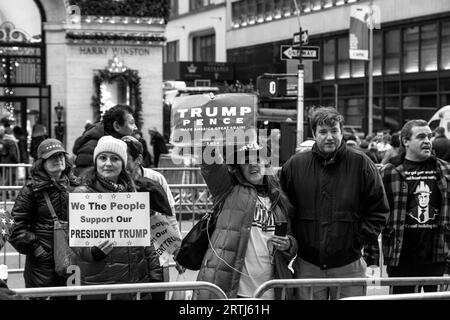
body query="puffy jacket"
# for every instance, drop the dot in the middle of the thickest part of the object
(232, 232)
(340, 204)
(122, 264)
(32, 233)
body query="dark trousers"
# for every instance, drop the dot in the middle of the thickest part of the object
(416, 270)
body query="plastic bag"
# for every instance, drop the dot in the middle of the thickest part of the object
(181, 294)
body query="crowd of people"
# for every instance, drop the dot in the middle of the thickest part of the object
(334, 202)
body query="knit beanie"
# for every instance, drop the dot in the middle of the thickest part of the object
(113, 145)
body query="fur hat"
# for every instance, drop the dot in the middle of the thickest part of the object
(113, 145)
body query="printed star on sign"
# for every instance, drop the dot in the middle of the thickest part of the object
(128, 196)
(87, 196)
(100, 196)
(11, 221)
(4, 221)
(113, 196)
(3, 232)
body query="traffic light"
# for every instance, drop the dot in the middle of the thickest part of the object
(269, 87)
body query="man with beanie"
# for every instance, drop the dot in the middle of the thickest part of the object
(117, 122)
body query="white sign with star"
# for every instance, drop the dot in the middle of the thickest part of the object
(123, 218)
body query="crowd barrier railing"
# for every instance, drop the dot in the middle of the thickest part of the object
(114, 289)
(442, 283)
(406, 296)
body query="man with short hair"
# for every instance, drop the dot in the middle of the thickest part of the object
(340, 206)
(441, 144)
(416, 240)
(117, 121)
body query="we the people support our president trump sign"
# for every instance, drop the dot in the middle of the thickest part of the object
(123, 218)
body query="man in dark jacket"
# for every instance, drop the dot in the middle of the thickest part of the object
(441, 145)
(117, 122)
(340, 205)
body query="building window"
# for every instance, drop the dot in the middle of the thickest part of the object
(343, 58)
(328, 59)
(173, 8)
(198, 4)
(411, 49)
(392, 52)
(428, 47)
(445, 46)
(204, 48)
(173, 51)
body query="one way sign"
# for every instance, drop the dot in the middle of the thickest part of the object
(291, 52)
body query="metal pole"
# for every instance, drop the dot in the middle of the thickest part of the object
(370, 111)
(300, 83)
(300, 106)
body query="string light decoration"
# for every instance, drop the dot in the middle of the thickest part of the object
(9, 106)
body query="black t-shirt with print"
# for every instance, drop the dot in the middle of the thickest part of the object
(423, 206)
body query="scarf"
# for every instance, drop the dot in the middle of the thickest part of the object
(121, 186)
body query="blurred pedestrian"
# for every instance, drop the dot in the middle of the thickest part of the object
(394, 150)
(415, 240)
(21, 137)
(159, 145)
(146, 156)
(340, 206)
(441, 144)
(117, 122)
(364, 146)
(38, 134)
(32, 234)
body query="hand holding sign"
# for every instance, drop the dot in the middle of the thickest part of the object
(106, 246)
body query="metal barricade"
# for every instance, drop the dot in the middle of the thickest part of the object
(113, 289)
(406, 296)
(441, 282)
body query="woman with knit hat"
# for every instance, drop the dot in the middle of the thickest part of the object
(104, 264)
(32, 232)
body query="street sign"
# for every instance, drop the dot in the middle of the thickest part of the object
(293, 52)
(303, 38)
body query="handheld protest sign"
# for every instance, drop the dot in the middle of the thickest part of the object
(224, 119)
(123, 218)
(164, 237)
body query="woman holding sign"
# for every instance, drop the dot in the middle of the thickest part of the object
(252, 224)
(104, 263)
(32, 233)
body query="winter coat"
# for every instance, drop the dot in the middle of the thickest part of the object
(84, 145)
(122, 264)
(32, 234)
(231, 235)
(340, 204)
